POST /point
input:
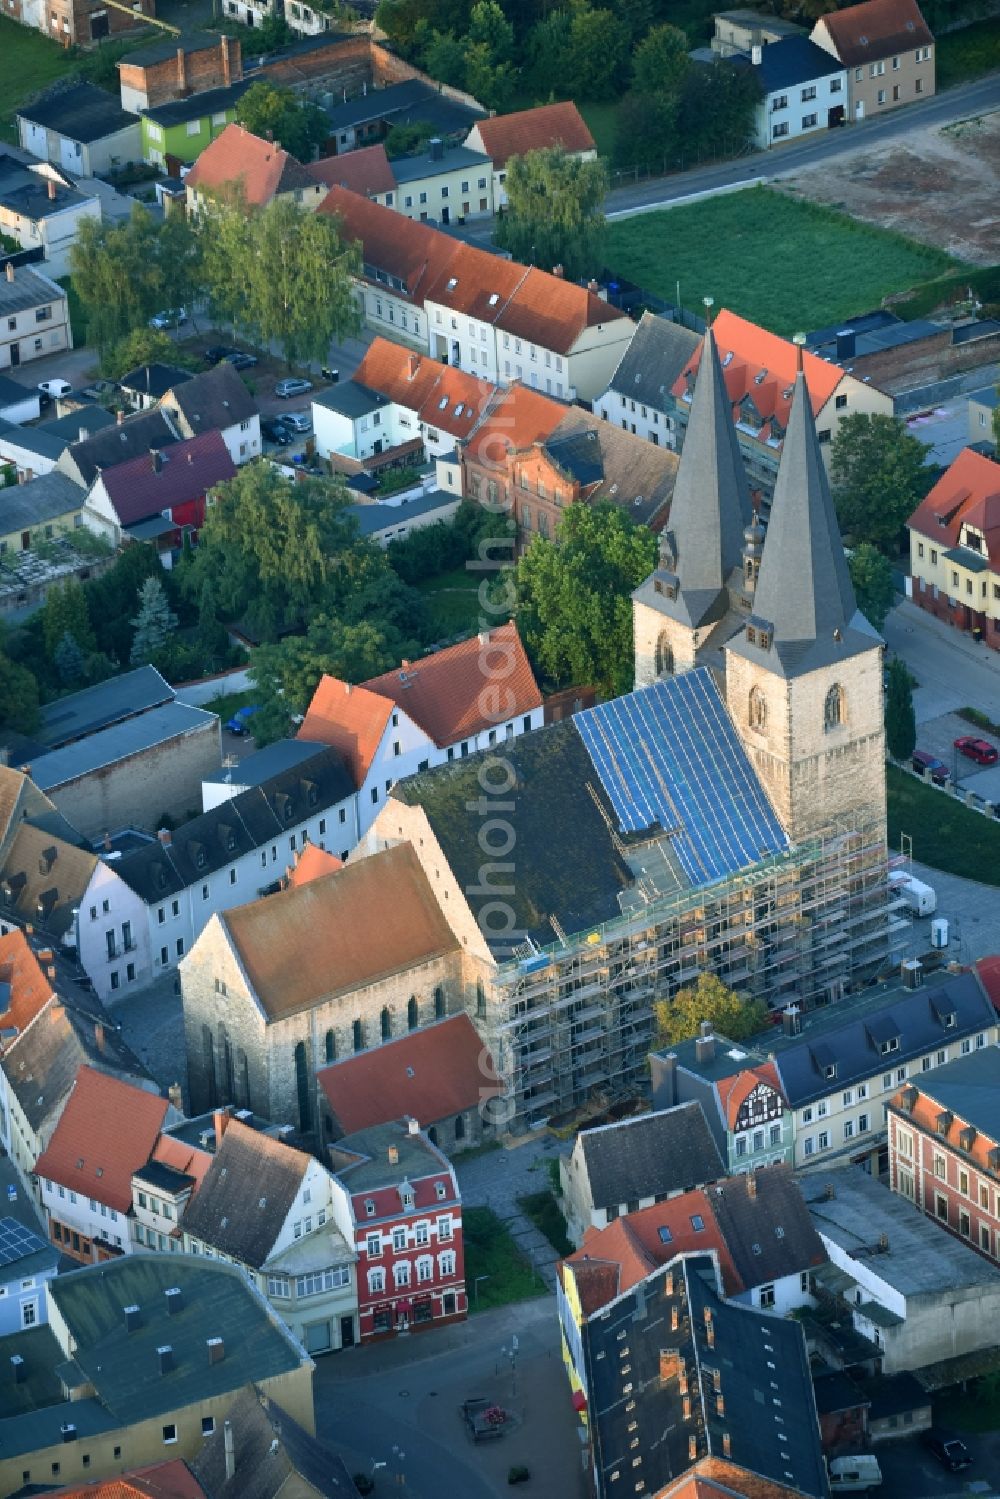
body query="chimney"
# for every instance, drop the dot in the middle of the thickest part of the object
(52, 191)
(663, 1076)
(883, 1243)
(220, 1120)
(704, 1046)
(165, 1354)
(791, 1021)
(756, 56)
(751, 1184)
(393, 1155)
(692, 1448)
(99, 1036)
(709, 1327)
(84, 434)
(594, 287)
(175, 1300)
(829, 1192)
(559, 270)
(164, 837)
(230, 1446)
(227, 71)
(176, 1097)
(119, 417)
(412, 1125)
(845, 343)
(10, 277)
(156, 458)
(347, 689)
(18, 1366)
(107, 843)
(437, 148)
(67, 1431)
(132, 1318)
(216, 1350)
(181, 71)
(412, 366)
(405, 665)
(727, 1445)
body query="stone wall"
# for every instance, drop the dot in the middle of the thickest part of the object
(185, 73)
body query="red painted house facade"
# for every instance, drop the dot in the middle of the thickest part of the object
(402, 1212)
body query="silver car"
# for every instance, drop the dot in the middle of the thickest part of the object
(292, 386)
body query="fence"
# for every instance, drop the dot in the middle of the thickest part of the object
(671, 166)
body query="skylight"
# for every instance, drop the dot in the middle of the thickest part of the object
(494, 299)
(452, 282)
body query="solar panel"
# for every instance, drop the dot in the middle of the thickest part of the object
(669, 758)
(17, 1241)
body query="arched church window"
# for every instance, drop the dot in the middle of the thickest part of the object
(664, 657)
(833, 708)
(758, 709)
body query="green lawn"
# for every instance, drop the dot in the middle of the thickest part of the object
(453, 599)
(547, 1216)
(490, 1251)
(30, 63)
(227, 704)
(945, 834)
(968, 53)
(778, 261)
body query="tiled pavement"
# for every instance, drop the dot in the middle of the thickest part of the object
(497, 1178)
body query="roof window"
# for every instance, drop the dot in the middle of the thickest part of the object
(452, 282)
(665, 1235)
(494, 299)
(697, 1222)
(759, 378)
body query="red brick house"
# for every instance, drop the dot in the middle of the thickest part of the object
(402, 1214)
(944, 1147)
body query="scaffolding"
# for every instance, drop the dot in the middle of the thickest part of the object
(573, 1021)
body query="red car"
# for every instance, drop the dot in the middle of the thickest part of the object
(979, 750)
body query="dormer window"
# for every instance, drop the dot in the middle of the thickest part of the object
(892, 1044)
(830, 1070)
(369, 1207)
(949, 1021)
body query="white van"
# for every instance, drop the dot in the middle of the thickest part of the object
(854, 1475)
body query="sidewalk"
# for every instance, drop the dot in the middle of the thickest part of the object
(498, 1178)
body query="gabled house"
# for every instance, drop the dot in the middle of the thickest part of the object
(271, 1210)
(25, 986)
(28, 1260)
(37, 449)
(34, 316)
(131, 437)
(82, 128)
(803, 89)
(639, 398)
(158, 497)
(617, 1169)
(42, 208)
(444, 184)
(176, 131)
(145, 386)
(177, 67)
(955, 547)
(427, 712)
(107, 1129)
(238, 165)
(217, 400)
(502, 136)
(264, 1452)
(40, 509)
(366, 171)
(887, 49)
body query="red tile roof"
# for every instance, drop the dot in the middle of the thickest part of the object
(532, 130)
(443, 693)
(190, 1160)
(431, 1075)
(967, 494)
(474, 283)
(30, 988)
(349, 719)
(106, 1132)
(520, 418)
(733, 1091)
(875, 29)
(422, 384)
(554, 313)
(988, 970)
(312, 863)
(366, 171)
(410, 252)
(261, 168)
(761, 365)
(173, 1480)
(188, 470)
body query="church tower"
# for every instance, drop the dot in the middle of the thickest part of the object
(679, 607)
(804, 674)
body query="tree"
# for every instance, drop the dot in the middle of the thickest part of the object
(116, 274)
(716, 104)
(111, 598)
(70, 661)
(574, 597)
(879, 477)
(645, 130)
(489, 27)
(444, 60)
(547, 49)
(65, 612)
(731, 1014)
(182, 276)
(598, 54)
(871, 574)
(492, 83)
(403, 139)
(555, 213)
(661, 62)
(144, 346)
(154, 623)
(18, 697)
(276, 114)
(274, 32)
(900, 722)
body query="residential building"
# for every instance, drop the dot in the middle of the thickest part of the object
(428, 712)
(41, 208)
(25, 985)
(620, 1168)
(18, 403)
(271, 1210)
(386, 101)
(160, 496)
(739, 1092)
(81, 128)
(982, 414)
(251, 171)
(402, 1214)
(119, 1329)
(955, 547)
(366, 170)
(163, 1186)
(40, 509)
(920, 1297)
(756, 1414)
(736, 31)
(77, 23)
(27, 1260)
(261, 1450)
(107, 1130)
(439, 1075)
(176, 67)
(549, 125)
(446, 184)
(887, 49)
(217, 400)
(35, 450)
(34, 317)
(130, 438)
(803, 90)
(639, 398)
(257, 1026)
(179, 130)
(234, 852)
(385, 522)
(145, 386)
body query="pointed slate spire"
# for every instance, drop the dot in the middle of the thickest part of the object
(804, 588)
(710, 508)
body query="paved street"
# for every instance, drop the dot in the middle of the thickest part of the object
(951, 669)
(398, 1403)
(498, 1178)
(910, 1472)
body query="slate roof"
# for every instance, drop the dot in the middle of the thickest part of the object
(26, 193)
(31, 440)
(422, 164)
(260, 168)
(81, 713)
(166, 49)
(261, 1471)
(967, 493)
(127, 440)
(258, 767)
(361, 1161)
(153, 379)
(112, 745)
(246, 1195)
(652, 1155)
(187, 471)
(365, 171)
(411, 100)
(766, 1225)
(81, 112)
(875, 29)
(43, 879)
(504, 136)
(792, 61)
(215, 399)
(85, 420)
(105, 1133)
(29, 288)
(12, 394)
(613, 465)
(431, 1074)
(968, 1088)
(237, 826)
(848, 1042)
(373, 520)
(350, 399)
(48, 497)
(360, 946)
(656, 357)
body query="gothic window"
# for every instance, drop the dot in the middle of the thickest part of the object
(358, 1036)
(386, 1023)
(758, 709)
(330, 1046)
(833, 708)
(208, 1056)
(243, 1078)
(439, 1004)
(412, 1014)
(302, 1086)
(480, 998)
(664, 657)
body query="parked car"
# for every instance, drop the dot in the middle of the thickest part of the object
(930, 766)
(53, 389)
(172, 317)
(292, 386)
(239, 360)
(979, 750)
(238, 723)
(298, 421)
(217, 352)
(950, 1451)
(274, 430)
(854, 1475)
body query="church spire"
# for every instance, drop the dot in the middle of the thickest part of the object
(710, 508)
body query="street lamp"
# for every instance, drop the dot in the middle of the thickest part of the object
(476, 1285)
